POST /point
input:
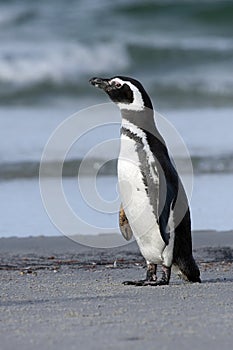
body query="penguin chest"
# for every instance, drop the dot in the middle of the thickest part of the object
(136, 201)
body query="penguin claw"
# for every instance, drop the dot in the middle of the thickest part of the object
(140, 283)
(132, 283)
(150, 283)
(161, 283)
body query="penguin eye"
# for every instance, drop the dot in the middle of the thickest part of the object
(117, 85)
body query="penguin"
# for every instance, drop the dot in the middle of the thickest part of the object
(154, 206)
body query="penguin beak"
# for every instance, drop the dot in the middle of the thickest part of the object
(100, 83)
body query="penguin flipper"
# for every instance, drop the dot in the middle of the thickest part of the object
(125, 228)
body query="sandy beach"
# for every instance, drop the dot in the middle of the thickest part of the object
(57, 294)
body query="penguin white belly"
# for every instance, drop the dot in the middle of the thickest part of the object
(136, 203)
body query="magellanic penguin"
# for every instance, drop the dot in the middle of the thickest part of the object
(154, 204)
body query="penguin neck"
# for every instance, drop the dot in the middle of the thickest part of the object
(143, 120)
(140, 126)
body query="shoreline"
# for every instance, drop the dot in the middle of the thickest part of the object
(200, 238)
(103, 249)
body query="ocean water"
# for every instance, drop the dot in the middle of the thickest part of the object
(182, 52)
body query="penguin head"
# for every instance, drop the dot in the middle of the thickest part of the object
(127, 93)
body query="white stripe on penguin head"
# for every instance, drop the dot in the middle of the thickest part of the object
(137, 104)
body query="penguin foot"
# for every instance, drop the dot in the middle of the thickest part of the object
(166, 274)
(140, 283)
(151, 272)
(151, 279)
(161, 282)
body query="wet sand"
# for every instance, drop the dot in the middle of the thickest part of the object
(57, 294)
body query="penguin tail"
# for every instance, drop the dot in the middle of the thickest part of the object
(182, 254)
(188, 269)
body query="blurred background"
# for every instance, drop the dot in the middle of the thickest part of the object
(182, 52)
